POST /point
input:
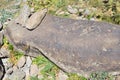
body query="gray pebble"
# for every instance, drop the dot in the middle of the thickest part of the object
(4, 52)
(86, 12)
(72, 10)
(34, 70)
(9, 71)
(28, 61)
(21, 62)
(62, 76)
(17, 75)
(5, 63)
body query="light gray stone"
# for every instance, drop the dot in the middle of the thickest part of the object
(21, 62)
(87, 12)
(35, 19)
(17, 75)
(7, 63)
(34, 70)
(9, 71)
(28, 62)
(27, 72)
(71, 9)
(62, 76)
(6, 77)
(3, 51)
(15, 68)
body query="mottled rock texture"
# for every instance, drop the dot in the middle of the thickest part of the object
(79, 46)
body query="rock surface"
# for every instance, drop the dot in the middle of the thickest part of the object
(85, 47)
(17, 75)
(34, 70)
(35, 19)
(24, 72)
(21, 62)
(25, 68)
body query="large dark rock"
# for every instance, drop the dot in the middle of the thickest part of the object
(78, 46)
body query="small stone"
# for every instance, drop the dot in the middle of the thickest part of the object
(9, 71)
(4, 52)
(62, 76)
(92, 19)
(81, 10)
(6, 77)
(87, 12)
(35, 19)
(17, 75)
(34, 70)
(21, 62)
(15, 68)
(27, 72)
(40, 76)
(72, 10)
(28, 62)
(7, 63)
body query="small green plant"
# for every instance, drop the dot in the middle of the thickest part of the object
(101, 76)
(73, 76)
(49, 70)
(14, 55)
(34, 78)
(5, 15)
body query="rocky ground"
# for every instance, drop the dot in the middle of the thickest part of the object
(24, 68)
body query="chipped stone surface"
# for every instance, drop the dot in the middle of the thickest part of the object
(4, 52)
(21, 62)
(72, 10)
(35, 19)
(17, 75)
(62, 76)
(34, 70)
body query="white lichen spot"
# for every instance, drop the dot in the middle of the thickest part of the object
(104, 49)
(109, 30)
(77, 62)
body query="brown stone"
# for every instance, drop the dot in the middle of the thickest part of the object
(79, 46)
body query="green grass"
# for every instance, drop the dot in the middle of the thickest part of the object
(101, 75)
(14, 54)
(105, 11)
(73, 76)
(49, 70)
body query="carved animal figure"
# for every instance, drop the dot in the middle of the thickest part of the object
(79, 46)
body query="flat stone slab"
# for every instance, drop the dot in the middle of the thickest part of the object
(78, 46)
